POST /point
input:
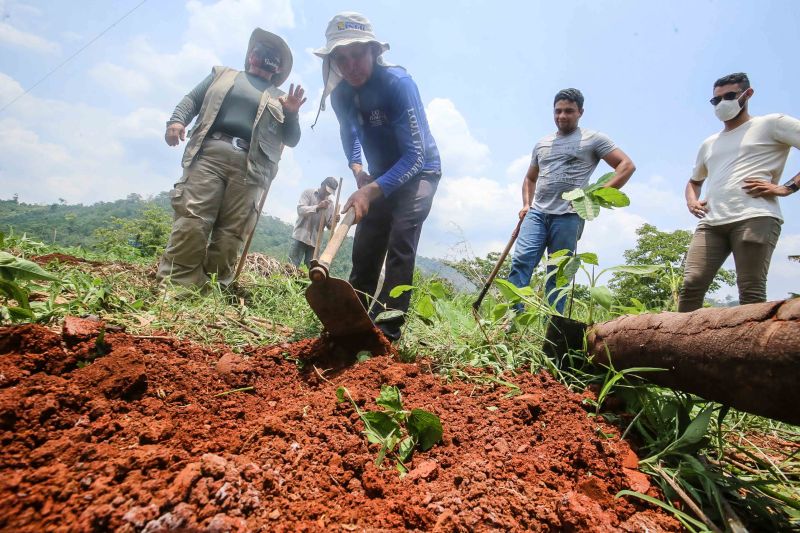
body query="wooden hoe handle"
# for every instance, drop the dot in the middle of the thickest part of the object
(477, 303)
(319, 271)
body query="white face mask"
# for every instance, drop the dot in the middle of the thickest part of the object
(728, 109)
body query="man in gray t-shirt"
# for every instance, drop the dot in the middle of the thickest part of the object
(560, 162)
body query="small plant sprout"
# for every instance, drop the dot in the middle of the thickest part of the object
(14, 271)
(398, 432)
(588, 200)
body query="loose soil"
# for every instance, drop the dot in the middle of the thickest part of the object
(151, 437)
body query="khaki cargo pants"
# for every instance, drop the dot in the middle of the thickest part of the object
(752, 242)
(215, 211)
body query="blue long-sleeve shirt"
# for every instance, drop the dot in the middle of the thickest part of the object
(385, 117)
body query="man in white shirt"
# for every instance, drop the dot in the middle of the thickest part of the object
(740, 214)
(313, 204)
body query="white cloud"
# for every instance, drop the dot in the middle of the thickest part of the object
(610, 234)
(9, 35)
(85, 156)
(468, 214)
(143, 123)
(517, 168)
(226, 25)
(161, 77)
(127, 81)
(214, 30)
(660, 201)
(461, 153)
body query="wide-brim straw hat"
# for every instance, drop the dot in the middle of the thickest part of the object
(344, 28)
(273, 41)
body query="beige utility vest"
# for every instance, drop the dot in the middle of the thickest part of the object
(266, 141)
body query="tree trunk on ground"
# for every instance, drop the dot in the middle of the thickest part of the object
(747, 357)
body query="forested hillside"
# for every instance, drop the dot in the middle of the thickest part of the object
(143, 223)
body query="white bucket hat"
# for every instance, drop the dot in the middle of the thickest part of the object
(273, 41)
(345, 28)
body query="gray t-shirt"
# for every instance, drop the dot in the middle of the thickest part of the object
(565, 163)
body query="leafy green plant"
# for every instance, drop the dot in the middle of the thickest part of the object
(588, 200)
(15, 273)
(145, 236)
(655, 247)
(398, 432)
(568, 265)
(425, 306)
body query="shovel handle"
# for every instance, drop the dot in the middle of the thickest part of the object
(319, 272)
(477, 303)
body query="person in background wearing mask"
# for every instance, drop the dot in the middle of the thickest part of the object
(740, 214)
(312, 205)
(561, 161)
(243, 123)
(380, 110)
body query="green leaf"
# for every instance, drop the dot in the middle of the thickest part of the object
(527, 318)
(639, 270)
(699, 427)
(19, 313)
(20, 268)
(683, 517)
(614, 197)
(508, 290)
(389, 398)
(406, 448)
(400, 289)
(363, 355)
(15, 292)
(605, 178)
(381, 455)
(567, 270)
(425, 308)
(559, 253)
(500, 310)
(401, 469)
(340, 394)
(574, 194)
(586, 208)
(590, 258)
(388, 315)
(602, 295)
(380, 426)
(437, 290)
(425, 427)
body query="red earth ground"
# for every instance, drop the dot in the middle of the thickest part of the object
(142, 440)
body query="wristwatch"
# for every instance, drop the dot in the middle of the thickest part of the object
(792, 186)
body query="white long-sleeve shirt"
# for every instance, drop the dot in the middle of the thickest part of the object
(305, 228)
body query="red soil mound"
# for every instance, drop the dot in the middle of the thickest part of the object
(142, 440)
(63, 258)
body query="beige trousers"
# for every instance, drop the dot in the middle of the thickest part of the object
(215, 211)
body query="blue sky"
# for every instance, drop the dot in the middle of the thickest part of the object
(487, 72)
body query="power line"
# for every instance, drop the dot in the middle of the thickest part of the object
(67, 60)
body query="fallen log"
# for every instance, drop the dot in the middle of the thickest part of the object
(747, 357)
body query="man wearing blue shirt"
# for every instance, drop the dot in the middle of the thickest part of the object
(381, 116)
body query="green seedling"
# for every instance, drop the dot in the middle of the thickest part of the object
(588, 200)
(14, 273)
(398, 432)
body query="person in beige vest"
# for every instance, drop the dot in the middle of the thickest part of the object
(243, 122)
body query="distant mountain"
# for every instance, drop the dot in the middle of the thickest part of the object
(74, 225)
(433, 267)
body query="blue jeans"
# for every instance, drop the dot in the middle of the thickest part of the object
(539, 231)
